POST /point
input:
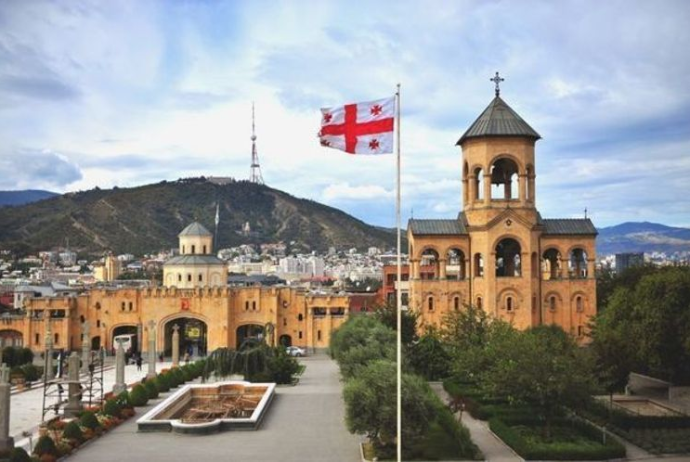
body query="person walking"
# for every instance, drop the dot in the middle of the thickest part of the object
(186, 357)
(139, 361)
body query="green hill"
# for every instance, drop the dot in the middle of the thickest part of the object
(148, 218)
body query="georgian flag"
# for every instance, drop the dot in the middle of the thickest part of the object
(362, 128)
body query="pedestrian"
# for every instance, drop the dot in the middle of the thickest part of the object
(139, 362)
(186, 357)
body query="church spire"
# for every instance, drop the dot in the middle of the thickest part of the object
(255, 172)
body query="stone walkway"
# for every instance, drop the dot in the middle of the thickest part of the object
(26, 406)
(304, 423)
(492, 447)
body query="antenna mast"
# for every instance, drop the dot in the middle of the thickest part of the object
(255, 172)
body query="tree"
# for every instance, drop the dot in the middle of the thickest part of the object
(646, 325)
(387, 314)
(370, 405)
(359, 330)
(429, 357)
(542, 367)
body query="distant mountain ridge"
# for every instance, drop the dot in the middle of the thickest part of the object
(148, 218)
(25, 196)
(642, 237)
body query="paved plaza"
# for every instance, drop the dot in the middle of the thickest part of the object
(304, 423)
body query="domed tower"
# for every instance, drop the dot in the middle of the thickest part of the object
(195, 266)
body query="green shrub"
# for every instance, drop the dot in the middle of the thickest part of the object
(179, 376)
(281, 367)
(138, 396)
(162, 383)
(73, 432)
(45, 445)
(123, 400)
(112, 407)
(89, 420)
(19, 455)
(31, 372)
(151, 389)
(188, 373)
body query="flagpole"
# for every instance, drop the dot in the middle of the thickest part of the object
(397, 289)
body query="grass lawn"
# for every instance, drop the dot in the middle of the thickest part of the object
(562, 437)
(660, 440)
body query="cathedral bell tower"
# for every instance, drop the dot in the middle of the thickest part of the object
(498, 163)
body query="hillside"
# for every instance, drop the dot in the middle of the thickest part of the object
(642, 237)
(23, 197)
(148, 218)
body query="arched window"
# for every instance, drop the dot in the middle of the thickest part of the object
(131, 306)
(183, 249)
(57, 339)
(179, 277)
(193, 249)
(122, 307)
(246, 306)
(578, 304)
(98, 323)
(455, 264)
(552, 303)
(508, 258)
(204, 250)
(456, 303)
(429, 264)
(551, 268)
(189, 278)
(430, 303)
(479, 302)
(201, 278)
(478, 184)
(478, 265)
(300, 317)
(577, 266)
(504, 179)
(509, 304)
(253, 306)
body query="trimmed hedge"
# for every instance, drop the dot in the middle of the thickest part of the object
(556, 450)
(626, 421)
(89, 420)
(151, 389)
(138, 397)
(162, 382)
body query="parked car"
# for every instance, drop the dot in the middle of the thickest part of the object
(295, 351)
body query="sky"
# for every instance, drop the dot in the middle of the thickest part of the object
(125, 93)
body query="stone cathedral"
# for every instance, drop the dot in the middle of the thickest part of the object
(499, 254)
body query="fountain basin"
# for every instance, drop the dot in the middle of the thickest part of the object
(209, 408)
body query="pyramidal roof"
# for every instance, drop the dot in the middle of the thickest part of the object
(195, 229)
(499, 119)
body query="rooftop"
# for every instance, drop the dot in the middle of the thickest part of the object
(195, 229)
(437, 226)
(499, 119)
(581, 226)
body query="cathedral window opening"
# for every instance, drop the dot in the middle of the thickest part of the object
(204, 250)
(131, 306)
(577, 268)
(456, 303)
(299, 335)
(189, 278)
(552, 303)
(509, 304)
(508, 258)
(253, 306)
(318, 335)
(551, 264)
(430, 303)
(57, 339)
(179, 278)
(455, 267)
(82, 319)
(193, 249)
(478, 184)
(246, 306)
(300, 317)
(430, 264)
(98, 323)
(37, 339)
(201, 278)
(183, 250)
(479, 303)
(578, 304)
(478, 265)
(122, 307)
(285, 321)
(504, 179)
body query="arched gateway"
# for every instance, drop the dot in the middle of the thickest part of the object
(193, 336)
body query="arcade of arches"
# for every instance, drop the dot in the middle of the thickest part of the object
(499, 254)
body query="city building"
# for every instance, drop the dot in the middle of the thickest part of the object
(499, 254)
(209, 313)
(627, 260)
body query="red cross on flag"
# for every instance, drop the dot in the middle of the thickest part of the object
(361, 128)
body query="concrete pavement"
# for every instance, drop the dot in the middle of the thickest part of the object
(305, 423)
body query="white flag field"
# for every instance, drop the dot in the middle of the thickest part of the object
(360, 128)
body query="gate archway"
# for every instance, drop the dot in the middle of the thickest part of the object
(249, 332)
(193, 336)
